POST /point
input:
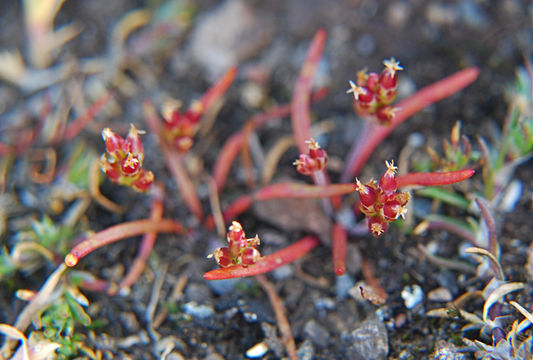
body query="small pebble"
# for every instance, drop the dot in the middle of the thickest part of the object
(412, 295)
(369, 341)
(400, 320)
(343, 284)
(447, 351)
(306, 351)
(325, 304)
(440, 295)
(257, 351)
(198, 311)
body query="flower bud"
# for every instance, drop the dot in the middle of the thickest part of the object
(367, 193)
(249, 256)
(377, 225)
(388, 78)
(144, 181)
(387, 183)
(113, 143)
(134, 144)
(388, 81)
(392, 210)
(372, 82)
(222, 257)
(235, 232)
(110, 168)
(314, 161)
(385, 114)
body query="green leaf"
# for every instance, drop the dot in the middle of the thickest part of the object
(77, 310)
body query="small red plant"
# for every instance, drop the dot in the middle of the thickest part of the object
(123, 160)
(181, 126)
(381, 203)
(315, 160)
(374, 93)
(240, 250)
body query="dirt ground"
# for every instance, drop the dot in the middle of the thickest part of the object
(268, 41)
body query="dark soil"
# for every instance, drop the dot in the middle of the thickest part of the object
(431, 39)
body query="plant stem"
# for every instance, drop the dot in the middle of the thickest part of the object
(339, 237)
(300, 117)
(148, 240)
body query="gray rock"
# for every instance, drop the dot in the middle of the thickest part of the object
(447, 351)
(306, 351)
(226, 36)
(367, 342)
(343, 284)
(316, 333)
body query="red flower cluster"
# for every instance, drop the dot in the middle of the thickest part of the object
(240, 250)
(180, 127)
(124, 159)
(381, 203)
(374, 93)
(315, 160)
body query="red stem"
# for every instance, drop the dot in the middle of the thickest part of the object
(187, 189)
(300, 117)
(74, 128)
(218, 89)
(292, 190)
(267, 263)
(148, 240)
(339, 237)
(174, 162)
(434, 178)
(408, 107)
(282, 190)
(119, 232)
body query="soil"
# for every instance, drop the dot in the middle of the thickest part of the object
(223, 320)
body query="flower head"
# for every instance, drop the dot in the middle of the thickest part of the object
(315, 160)
(374, 93)
(381, 203)
(123, 160)
(240, 250)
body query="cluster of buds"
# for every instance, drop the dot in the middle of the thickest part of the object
(123, 160)
(180, 127)
(240, 250)
(313, 161)
(381, 203)
(375, 93)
